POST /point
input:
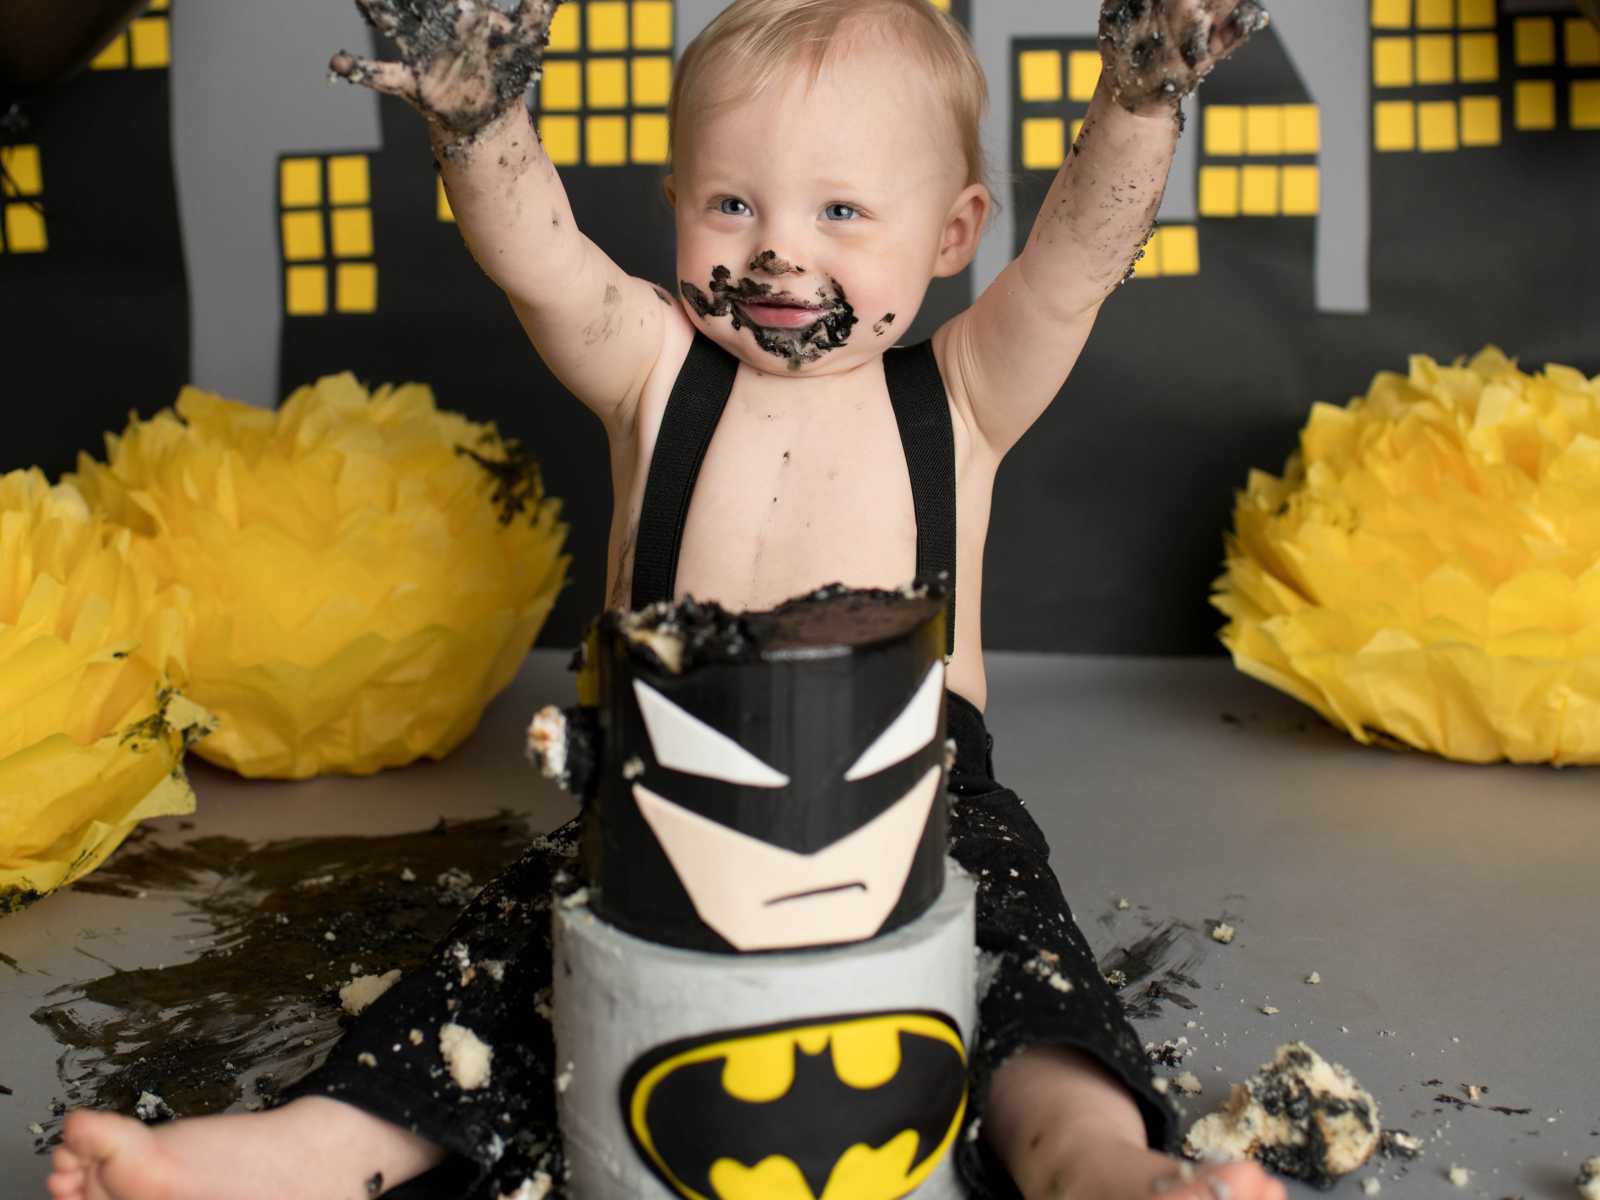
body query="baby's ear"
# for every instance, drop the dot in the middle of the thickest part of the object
(963, 229)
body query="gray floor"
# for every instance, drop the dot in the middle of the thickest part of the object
(1448, 909)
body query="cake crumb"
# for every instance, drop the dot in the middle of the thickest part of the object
(415, 1037)
(1222, 932)
(1460, 1176)
(1270, 1010)
(36, 1129)
(1316, 977)
(1123, 903)
(367, 1059)
(466, 1056)
(1371, 1186)
(1588, 1180)
(535, 1188)
(1188, 1083)
(151, 1107)
(565, 1078)
(361, 991)
(633, 768)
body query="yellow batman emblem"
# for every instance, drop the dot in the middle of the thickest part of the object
(856, 1107)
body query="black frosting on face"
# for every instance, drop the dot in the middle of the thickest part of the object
(799, 346)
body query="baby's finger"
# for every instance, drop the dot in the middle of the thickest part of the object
(536, 15)
(391, 78)
(1230, 32)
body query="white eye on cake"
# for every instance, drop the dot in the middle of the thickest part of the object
(683, 742)
(913, 729)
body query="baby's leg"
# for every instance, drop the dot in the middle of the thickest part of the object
(385, 1104)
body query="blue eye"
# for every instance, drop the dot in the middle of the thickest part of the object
(722, 205)
(849, 208)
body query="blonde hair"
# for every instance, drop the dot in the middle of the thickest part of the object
(755, 39)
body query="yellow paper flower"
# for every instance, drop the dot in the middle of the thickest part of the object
(1428, 568)
(92, 734)
(368, 571)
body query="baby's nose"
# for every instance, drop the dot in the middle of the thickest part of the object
(769, 262)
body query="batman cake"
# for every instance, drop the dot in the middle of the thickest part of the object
(767, 987)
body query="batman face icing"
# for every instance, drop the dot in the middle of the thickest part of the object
(862, 1106)
(777, 785)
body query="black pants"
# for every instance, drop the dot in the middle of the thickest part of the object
(1038, 984)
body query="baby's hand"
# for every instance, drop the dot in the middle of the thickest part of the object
(1157, 51)
(463, 62)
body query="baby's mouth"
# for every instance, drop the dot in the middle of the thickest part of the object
(782, 314)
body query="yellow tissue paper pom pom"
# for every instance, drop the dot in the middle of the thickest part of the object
(1428, 568)
(368, 571)
(91, 733)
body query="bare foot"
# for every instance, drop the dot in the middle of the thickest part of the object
(311, 1149)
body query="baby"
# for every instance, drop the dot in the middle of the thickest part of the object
(826, 166)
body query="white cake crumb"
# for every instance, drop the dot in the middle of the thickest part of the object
(361, 991)
(547, 743)
(577, 899)
(328, 937)
(536, 1188)
(151, 1107)
(565, 1078)
(1371, 1187)
(1123, 902)
(1316, 977)
(1270, 1010)
(1188, 1083)
(1161, 1084)
(367, 1059)
(1222, 933)
(1299, 1114)
(1460, 1176)
(466, 1056)
(1588, 1180)
(416, 1037)
(36, 1129)
(633, 768)
(407, 875)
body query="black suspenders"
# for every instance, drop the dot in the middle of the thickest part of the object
(701, 391)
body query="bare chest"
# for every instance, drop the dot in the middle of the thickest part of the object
(796, 490)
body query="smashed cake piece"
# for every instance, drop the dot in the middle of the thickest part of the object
(1588, 1180)
(1300, 1115)
(355, 996)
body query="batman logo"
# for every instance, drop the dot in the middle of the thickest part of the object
(856, 1107)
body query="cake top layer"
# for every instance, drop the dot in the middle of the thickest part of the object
(829, 621)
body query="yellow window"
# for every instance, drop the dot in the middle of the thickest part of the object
(1043, 143)
(1180, 249)
(305, 291)
(115, 55)
(25, 229)
(1583, 43)
(1480, 58)
(1224, 129)
(652, 81)
(561, 87)
(1263, 129)
(564, 28)
(1436, 14)
(1391, 14)
(1302, 191)
(606, 139)
(1394, 125)
(1480, 120)
(1535, 41)
(356, 288)
(352, 232)
(1436, 58)
(1219, 191)
(1477, 14)
(1391, 62)
(300, 182)
(1535, 104)
(1436, 126)
(157, 6)
(607, 83)
(647, 140)
(24, 176)
(652, 24)
(1039, 74)
(1586, 103)
(302, 235)
(608, 24)
(560, 138)
(1259, 191)
(151, 43)
(348, 180)
(442, 201)
(1083, 73)
(1302, 129)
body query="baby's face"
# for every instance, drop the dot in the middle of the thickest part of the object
(810, 222)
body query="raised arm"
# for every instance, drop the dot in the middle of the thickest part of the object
(1017, 343)
(465, 65)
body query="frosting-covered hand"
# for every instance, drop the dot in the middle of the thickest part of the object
(1157, 51)
(462, 62)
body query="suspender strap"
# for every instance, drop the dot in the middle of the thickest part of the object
(698, 397)
(922, 410)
